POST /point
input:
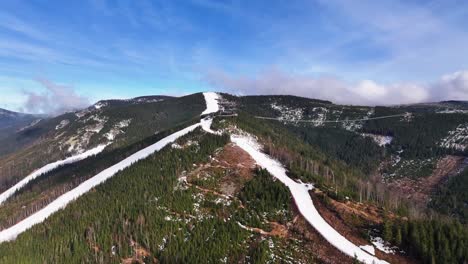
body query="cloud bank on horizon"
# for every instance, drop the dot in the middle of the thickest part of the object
(452, 86)
(354, 52)
(57, 99)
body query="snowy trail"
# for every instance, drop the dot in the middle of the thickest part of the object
(212, 105)
(47, 168)
(12, 232)
(300, 193)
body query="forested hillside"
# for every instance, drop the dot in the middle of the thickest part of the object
(391, 180)
(117, 123)
(11, 123)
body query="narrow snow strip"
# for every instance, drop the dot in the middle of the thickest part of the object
(12, 232)
(49, 167)
(300, 193)
(212, 105)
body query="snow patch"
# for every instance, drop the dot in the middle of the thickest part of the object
(381, 245)
(408, 117)
(321, 115)
(353, 125)
(452, 111)
(147, 100)
(100, 105)
(78, 142)
(117, 129)
(379, 139)
(62, 124)
(288, 114)
(186, 145)
(456, 139)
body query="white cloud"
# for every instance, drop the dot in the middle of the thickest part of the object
(370, 90)
(56, 100)
(454, 85)
(367, 92)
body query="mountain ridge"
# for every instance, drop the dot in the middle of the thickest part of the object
(350, 167)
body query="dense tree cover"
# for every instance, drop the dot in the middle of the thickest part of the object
(419, 136)
(13, 124)
(430, 240)
(129, 208)
(355, 150)
(283, 142)
(149, 118)
(308, 163)
(451, 198)
(261, 105)
(265, 194)
(143, 209)
(310, 109)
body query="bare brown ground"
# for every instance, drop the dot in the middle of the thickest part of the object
(140, 255)
(238, 166)
(367, 212)
(419, 190)
(277, 229)
(349, 218)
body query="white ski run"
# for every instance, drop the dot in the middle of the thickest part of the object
(47, 168)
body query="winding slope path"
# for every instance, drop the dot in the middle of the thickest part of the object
(300, 193)
(12, 232)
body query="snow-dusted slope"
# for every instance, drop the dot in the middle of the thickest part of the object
(300, 193)
(38, 217)
(51, 166)
(212, 105)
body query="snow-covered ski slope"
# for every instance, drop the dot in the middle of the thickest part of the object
(212, 105)
(47, 168)
(300, 193)
(12, 232)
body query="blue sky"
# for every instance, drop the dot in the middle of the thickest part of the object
(358, 52)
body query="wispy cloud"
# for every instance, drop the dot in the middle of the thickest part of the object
(415, 40)
(14, 24)
(55, 100)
